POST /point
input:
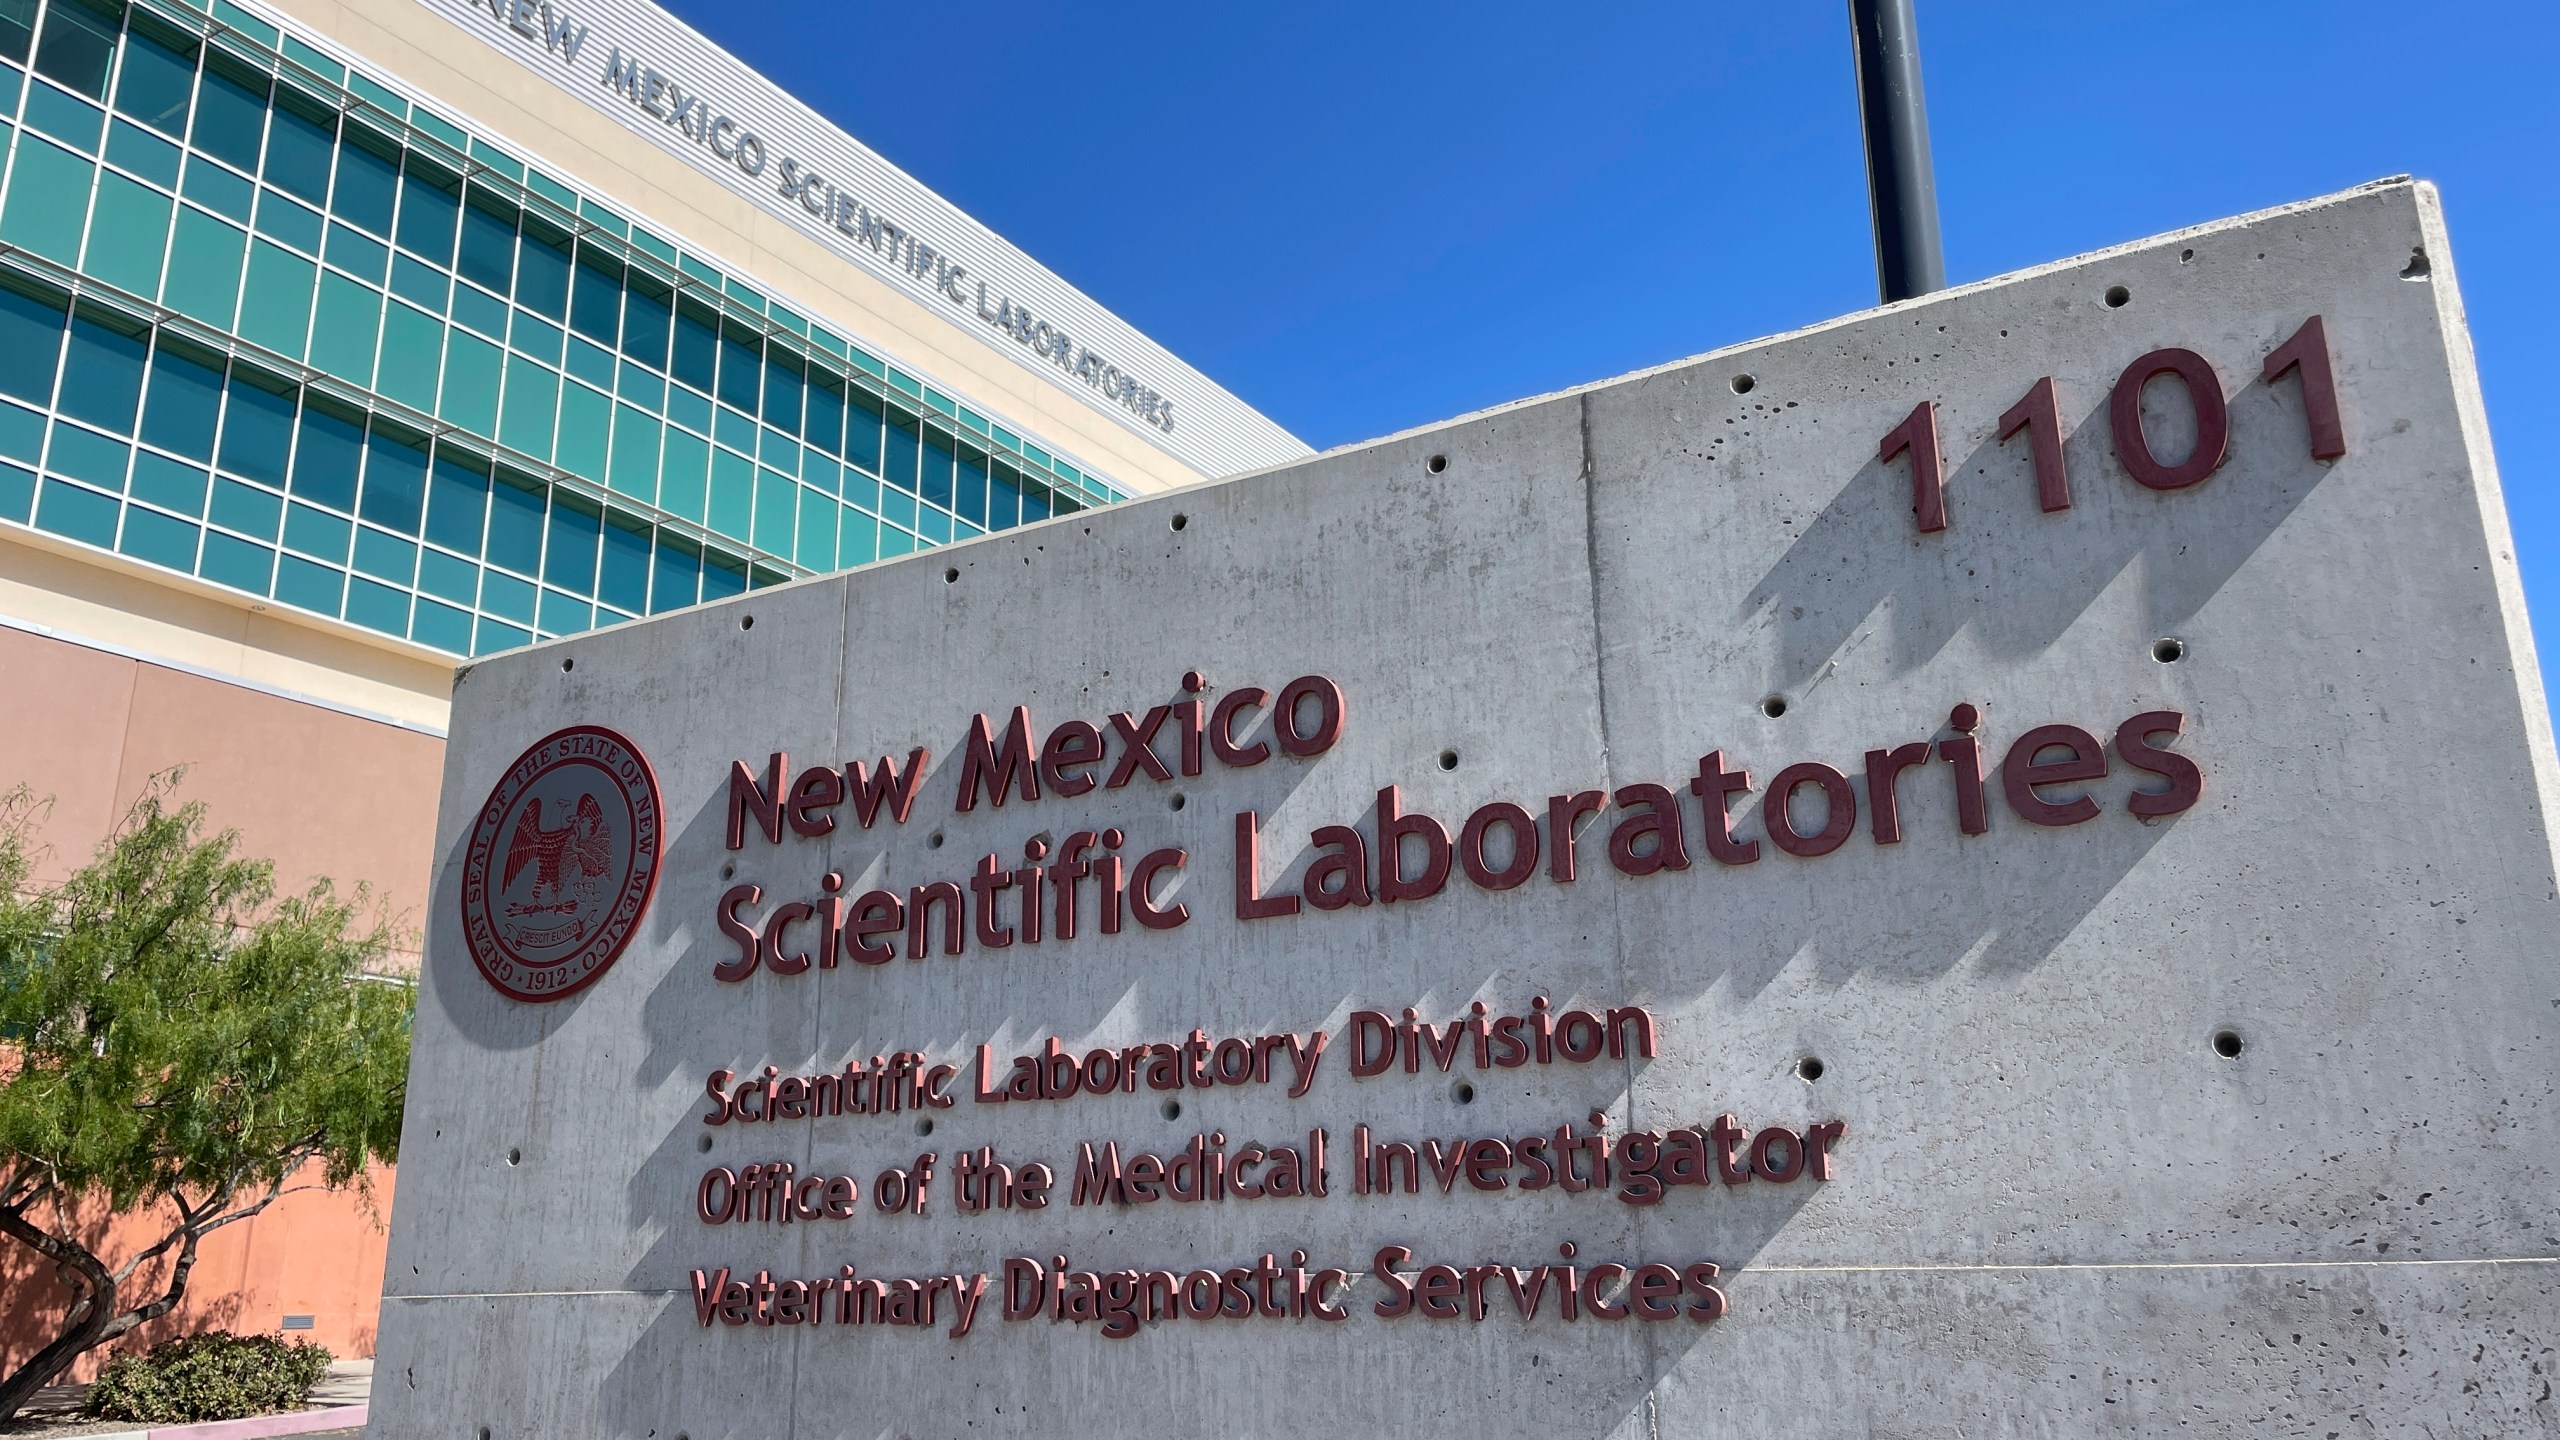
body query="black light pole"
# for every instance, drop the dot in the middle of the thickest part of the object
(1901, 185)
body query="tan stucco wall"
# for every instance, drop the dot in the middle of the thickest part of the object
(410, 46)
(320, 792)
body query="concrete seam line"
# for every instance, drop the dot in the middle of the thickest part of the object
(1744, 1270)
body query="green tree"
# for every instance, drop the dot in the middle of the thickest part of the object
(177, 1040)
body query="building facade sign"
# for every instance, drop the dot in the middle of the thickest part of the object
(1986, 860)
(678, 86)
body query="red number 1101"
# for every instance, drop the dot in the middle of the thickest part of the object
(2039, 413)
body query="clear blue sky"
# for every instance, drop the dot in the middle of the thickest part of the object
(1363, 217)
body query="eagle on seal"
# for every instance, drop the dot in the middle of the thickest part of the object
(581, 846)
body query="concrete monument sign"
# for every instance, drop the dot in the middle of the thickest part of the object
(1982, 868)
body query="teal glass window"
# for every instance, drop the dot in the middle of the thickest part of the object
(385, 557)
(143, 153)
(899, 468)
(623, 576)
(646, 313)
(257, 428)
(290, 221)
(783, 385)
(862, 430)
(231, 118)
(48, 200)
(395, 481)
(424, 285)
(595, 298)
(317, 533)
(316, 588)
(218, 189)
(441, 626)
(368, 181)
(77, 513)
(677, 578)
(429, 209)
(168, 484)
(17, 28)
(508, 596)
(488, 251)
(159, 539)
(494, 637)
(741, 368)
(826, 413)
(722, 576)
(17, 493)
(515, 524)
(542, 270)
(30, 344)
(128, 233)
(246, 508)
(326, 460)
(90, 456)
(377, 607)
(66, 117)
(937, 483)
(299, 149)
(697, 347)
(157, 81)
(77, 44)
(569, 558)
(969, 491)
(102, 380)
(184, 404)
(457, 504)
(442, 574)
(357, 255)
(237, 563)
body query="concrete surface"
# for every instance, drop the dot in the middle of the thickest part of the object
(2057, 1210)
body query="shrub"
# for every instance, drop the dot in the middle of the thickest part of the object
(213, 1376)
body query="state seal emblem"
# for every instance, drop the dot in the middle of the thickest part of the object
(562, 861)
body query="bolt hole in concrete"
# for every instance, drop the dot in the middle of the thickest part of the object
(1178, 801)
(484, 1432)
(1742, 384)
(1448, 759)
(1173, 1109)
(1181, 521)
(1463, 1093)
(746, 622)
(568, 665)
(934, 839)
(925, 1126)
(2186, 257)
(2117, 295)
(1774, 706)
(515, 1157)
(703, 1144)
(2169, 650)
(2416, 269)
(1436, 464)
(2227, 1044)
(951, 576)
(729, 870)
(1809, 1069)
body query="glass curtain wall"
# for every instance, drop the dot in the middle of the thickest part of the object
(264, 322)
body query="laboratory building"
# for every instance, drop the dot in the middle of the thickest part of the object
(342, 341)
